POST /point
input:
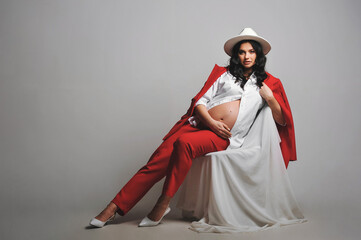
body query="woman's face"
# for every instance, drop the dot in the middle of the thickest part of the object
(247, 55)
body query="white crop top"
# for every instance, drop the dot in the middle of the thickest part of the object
(223, 90)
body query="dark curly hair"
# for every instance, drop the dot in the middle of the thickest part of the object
(236, 68)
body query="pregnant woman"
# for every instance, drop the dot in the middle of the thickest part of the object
(219, 118)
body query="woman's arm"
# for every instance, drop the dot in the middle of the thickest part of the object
(218, 127)
(276, 111)
(267, 94)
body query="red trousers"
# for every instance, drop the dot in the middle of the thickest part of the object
(173, 159)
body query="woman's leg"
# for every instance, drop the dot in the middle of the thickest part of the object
(186, 147)
(144, 179)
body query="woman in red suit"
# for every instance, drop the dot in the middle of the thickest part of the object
(218, 119)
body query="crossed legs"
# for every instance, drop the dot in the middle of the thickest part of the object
(173, 159)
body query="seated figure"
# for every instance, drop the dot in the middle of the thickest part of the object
(221, 117)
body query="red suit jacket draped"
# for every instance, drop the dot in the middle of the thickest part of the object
(287, 133)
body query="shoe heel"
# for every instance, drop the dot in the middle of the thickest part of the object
(146, 222)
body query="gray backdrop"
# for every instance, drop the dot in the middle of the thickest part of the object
(89, 88)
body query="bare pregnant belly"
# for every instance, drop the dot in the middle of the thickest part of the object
(226, 112)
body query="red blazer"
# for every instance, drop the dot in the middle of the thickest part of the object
(287, 133)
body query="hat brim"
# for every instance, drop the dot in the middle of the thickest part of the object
(233, 41)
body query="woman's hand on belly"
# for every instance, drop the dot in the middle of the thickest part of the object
(216, 125)
(221, 129)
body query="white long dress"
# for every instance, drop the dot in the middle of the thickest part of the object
(244, 189)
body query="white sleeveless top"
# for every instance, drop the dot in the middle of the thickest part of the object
(223, 90)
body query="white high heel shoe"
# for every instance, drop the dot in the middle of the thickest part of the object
(146, 222)
(97, 223)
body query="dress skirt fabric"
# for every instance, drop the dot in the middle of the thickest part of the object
(241, 190)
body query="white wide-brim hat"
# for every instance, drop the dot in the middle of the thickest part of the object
(249, 34)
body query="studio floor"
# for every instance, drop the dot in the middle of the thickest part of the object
(326, 220)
